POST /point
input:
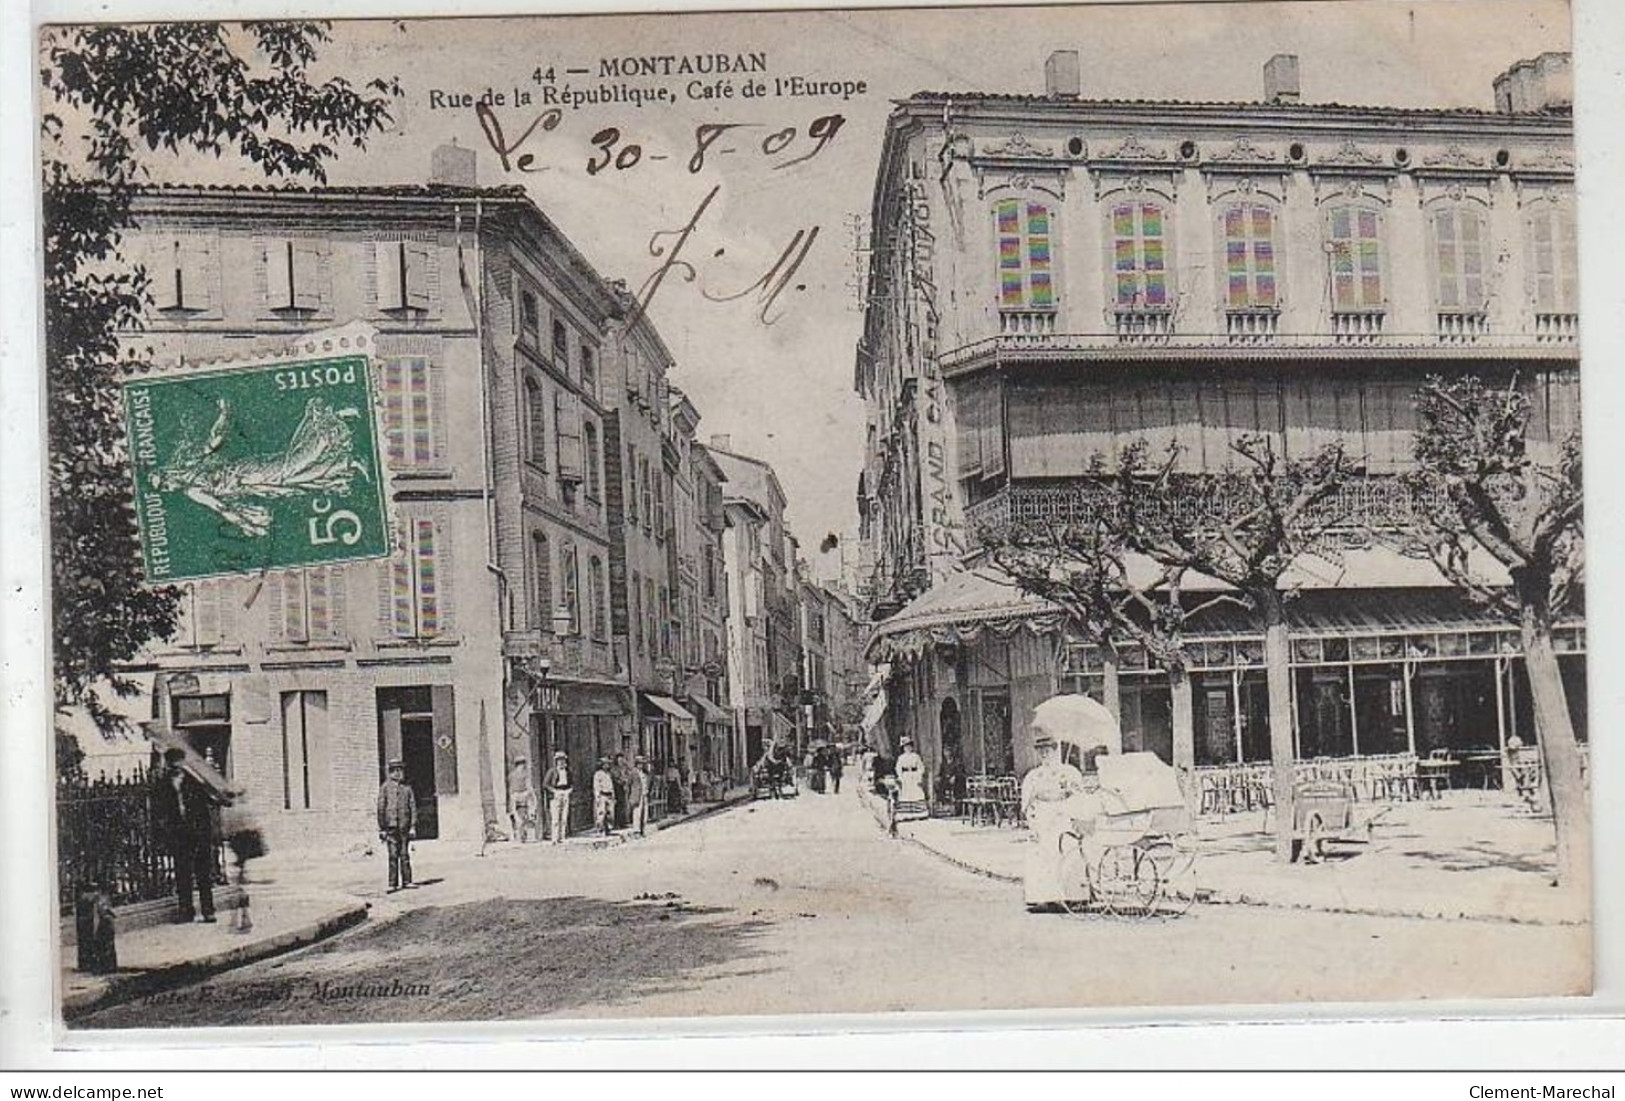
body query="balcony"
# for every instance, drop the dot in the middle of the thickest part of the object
(1364, 505)
(1462, 326)
(1258, 338)
(1364, 327)
(1026, 323)
(1557, 328)
(1143, 326)
(1251, 326)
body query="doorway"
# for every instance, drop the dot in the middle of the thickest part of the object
(416, 726)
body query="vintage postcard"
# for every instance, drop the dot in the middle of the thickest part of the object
(724, 515)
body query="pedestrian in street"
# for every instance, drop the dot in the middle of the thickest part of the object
(637, 794)
(522, 801)
(912, 796)
(621, 773)
(603, 797)
(815, 770)
(185, 812)
(676, 797)
(557, 785)
(397, 817)
(835, 769)
(1048, 795)
(240, 826)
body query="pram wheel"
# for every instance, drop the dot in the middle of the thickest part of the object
(1074, 876)
(1128, 881)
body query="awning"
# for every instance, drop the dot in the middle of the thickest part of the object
(874, 713)
(783, 729)
(581, 698)
(710, 713)
(682, 722)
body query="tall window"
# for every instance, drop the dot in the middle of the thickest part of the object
(184, 272)
(651, 612)
(561, 346)
(1139, 256)
(307, 769)
(589, 455)
(596, 593)
(637, 612)
(530, 318)
(1249, 258)
(418, 589)
(631, 486)
(308, 605)
(570, 564)
(589, 371)
(536, 415)
(1355, 248)
(410, 414)
(541, 581)
(1458, 255)
(1555, 259)
(648, 494)
(1025, 261)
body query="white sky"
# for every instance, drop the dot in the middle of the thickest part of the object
(783, 392)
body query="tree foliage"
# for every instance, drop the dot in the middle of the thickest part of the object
(116, 97)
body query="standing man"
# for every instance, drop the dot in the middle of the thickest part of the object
(522, 801)
(637, 794)
(622, 775)
(397, 815)
(184, 814)
(557, 785)
(835, 768)
(603, 797)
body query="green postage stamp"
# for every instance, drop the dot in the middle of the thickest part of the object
(256, 468)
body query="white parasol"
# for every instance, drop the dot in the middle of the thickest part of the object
(1078, 720)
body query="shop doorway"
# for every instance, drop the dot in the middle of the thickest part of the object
(416, 726)
(950, 786)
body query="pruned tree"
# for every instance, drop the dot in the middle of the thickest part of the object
(116, 98)
(1244, 527)
(1477, 485)
(1082, 568)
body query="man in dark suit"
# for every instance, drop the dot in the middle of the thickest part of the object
(184, 818)
(397, 817)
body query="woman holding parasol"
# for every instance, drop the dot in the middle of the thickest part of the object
(1052, 792)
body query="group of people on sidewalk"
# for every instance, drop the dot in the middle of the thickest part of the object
(620, 793)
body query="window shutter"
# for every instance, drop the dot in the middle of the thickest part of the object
(296, 625)
(417, 259)
(1446, 258)
(278, 274)
(426, 567)
(567, 433)
(164, 273)
(307, 271)
(390, 277)
(434, 411)
(442, 704)
(206, 599)
(318, 602)
(274, 605)
(338, 620)
(445, 549)
(199, 263)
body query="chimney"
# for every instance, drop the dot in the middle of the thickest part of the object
(1544, 83)
(1281, 79)
(722, 442)
(452, 166)
(1061, 76)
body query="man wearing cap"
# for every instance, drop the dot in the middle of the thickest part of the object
(521, 801)
(557, 786)
(184, 814)
(397, 815)
(637, 794)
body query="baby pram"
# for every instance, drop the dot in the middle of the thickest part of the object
(1131, 848)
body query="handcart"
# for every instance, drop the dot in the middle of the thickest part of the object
(1135, 854)
(771, 779)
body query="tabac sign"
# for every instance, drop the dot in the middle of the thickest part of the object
(253, 468)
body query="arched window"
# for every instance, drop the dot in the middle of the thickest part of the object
(1026, 263)
(1459, 238)
(1140, 270)
(1354, 248)
(1554, 259)
(1249, 257)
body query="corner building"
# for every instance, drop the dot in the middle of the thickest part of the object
(1053, 278)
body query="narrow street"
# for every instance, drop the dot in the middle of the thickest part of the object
(802, 906)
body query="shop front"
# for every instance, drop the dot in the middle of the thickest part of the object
(586, 721)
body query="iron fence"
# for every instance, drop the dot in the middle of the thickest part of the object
(106, 839)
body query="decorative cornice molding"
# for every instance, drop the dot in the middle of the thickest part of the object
(1018, 145)
(1454, 157)
(1351, 155)
(1244, 152)
(1133, 149)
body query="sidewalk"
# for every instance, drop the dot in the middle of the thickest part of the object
(296, 900)
(1471, 855)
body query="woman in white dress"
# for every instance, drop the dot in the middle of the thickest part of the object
(1048, 794)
